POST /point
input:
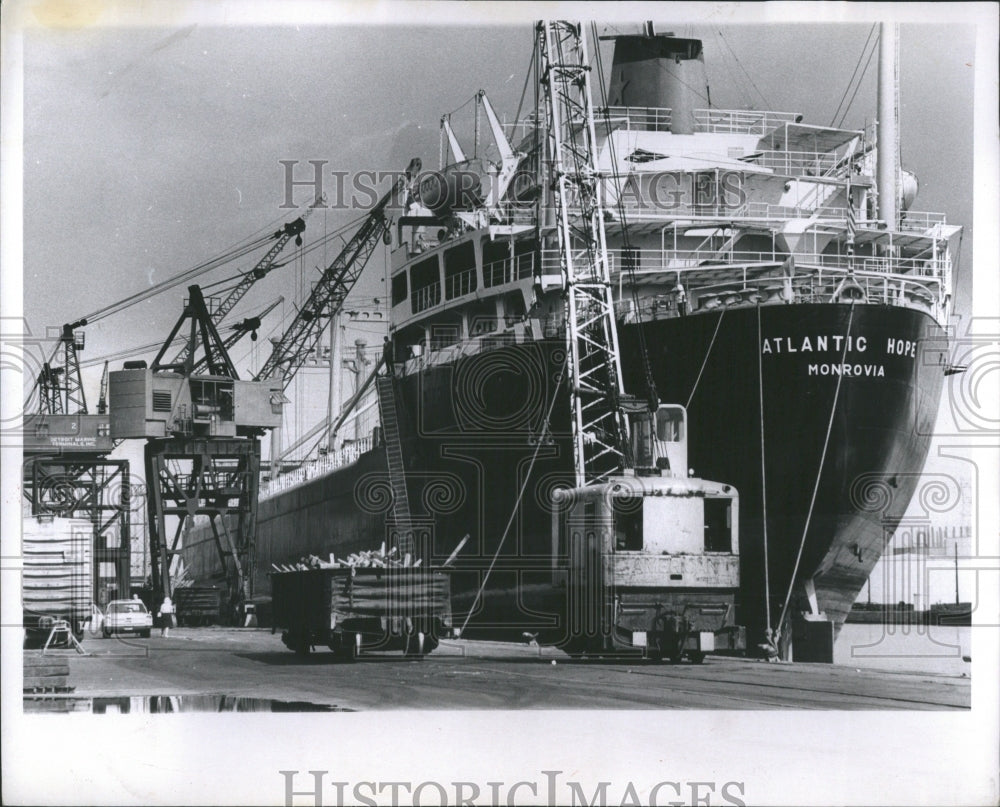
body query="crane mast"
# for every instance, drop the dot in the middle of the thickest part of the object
(599, 426)
(60, 386)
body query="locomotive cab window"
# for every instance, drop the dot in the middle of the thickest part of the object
(718, 525)
(669, 425)
(628, 523)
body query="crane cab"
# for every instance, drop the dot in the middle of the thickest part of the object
(649, 560)
(148, 405)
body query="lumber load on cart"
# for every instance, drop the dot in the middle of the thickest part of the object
(350, 608)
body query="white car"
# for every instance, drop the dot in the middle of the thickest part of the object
(127, 616)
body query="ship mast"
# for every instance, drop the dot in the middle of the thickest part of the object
(888, 124)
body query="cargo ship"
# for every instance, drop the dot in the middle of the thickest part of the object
(769, 274)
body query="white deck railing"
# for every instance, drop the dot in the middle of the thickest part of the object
(642, 118)
(710, 260)
(658, 119)
(460, 284)
(324, 465)
(425, 297)
(509, 269)
(741, 121)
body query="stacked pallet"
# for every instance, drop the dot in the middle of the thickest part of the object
(45, 673)
(367, 559)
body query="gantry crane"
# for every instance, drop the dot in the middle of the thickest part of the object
(159, 457)
(67, 471)
(202, 426)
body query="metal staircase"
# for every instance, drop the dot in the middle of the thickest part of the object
(600, 431)
(385, 386)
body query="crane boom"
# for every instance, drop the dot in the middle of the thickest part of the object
(292, 229)
(328, 295)
(241, 329)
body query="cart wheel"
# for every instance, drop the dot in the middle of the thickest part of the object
(696, 656)
(297, 643)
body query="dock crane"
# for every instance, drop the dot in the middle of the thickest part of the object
(634, 533)
(67, 471)
(164, 496)
(202, 425)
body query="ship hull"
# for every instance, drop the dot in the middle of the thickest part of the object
(318, 517)
(846, 431)
(842, 450)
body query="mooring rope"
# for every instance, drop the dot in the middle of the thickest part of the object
(705, 360)
(819, 474)
(520, 495)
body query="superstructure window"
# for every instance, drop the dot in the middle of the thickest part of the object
(426, 282)
(399, 288)
(460, 270)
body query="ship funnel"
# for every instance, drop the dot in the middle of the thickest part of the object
(659, 70)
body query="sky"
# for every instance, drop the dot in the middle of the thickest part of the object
(148, 150)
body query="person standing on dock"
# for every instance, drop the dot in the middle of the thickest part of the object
(166, 615)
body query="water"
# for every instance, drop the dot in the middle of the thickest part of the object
(168, 704)
(906, 648)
